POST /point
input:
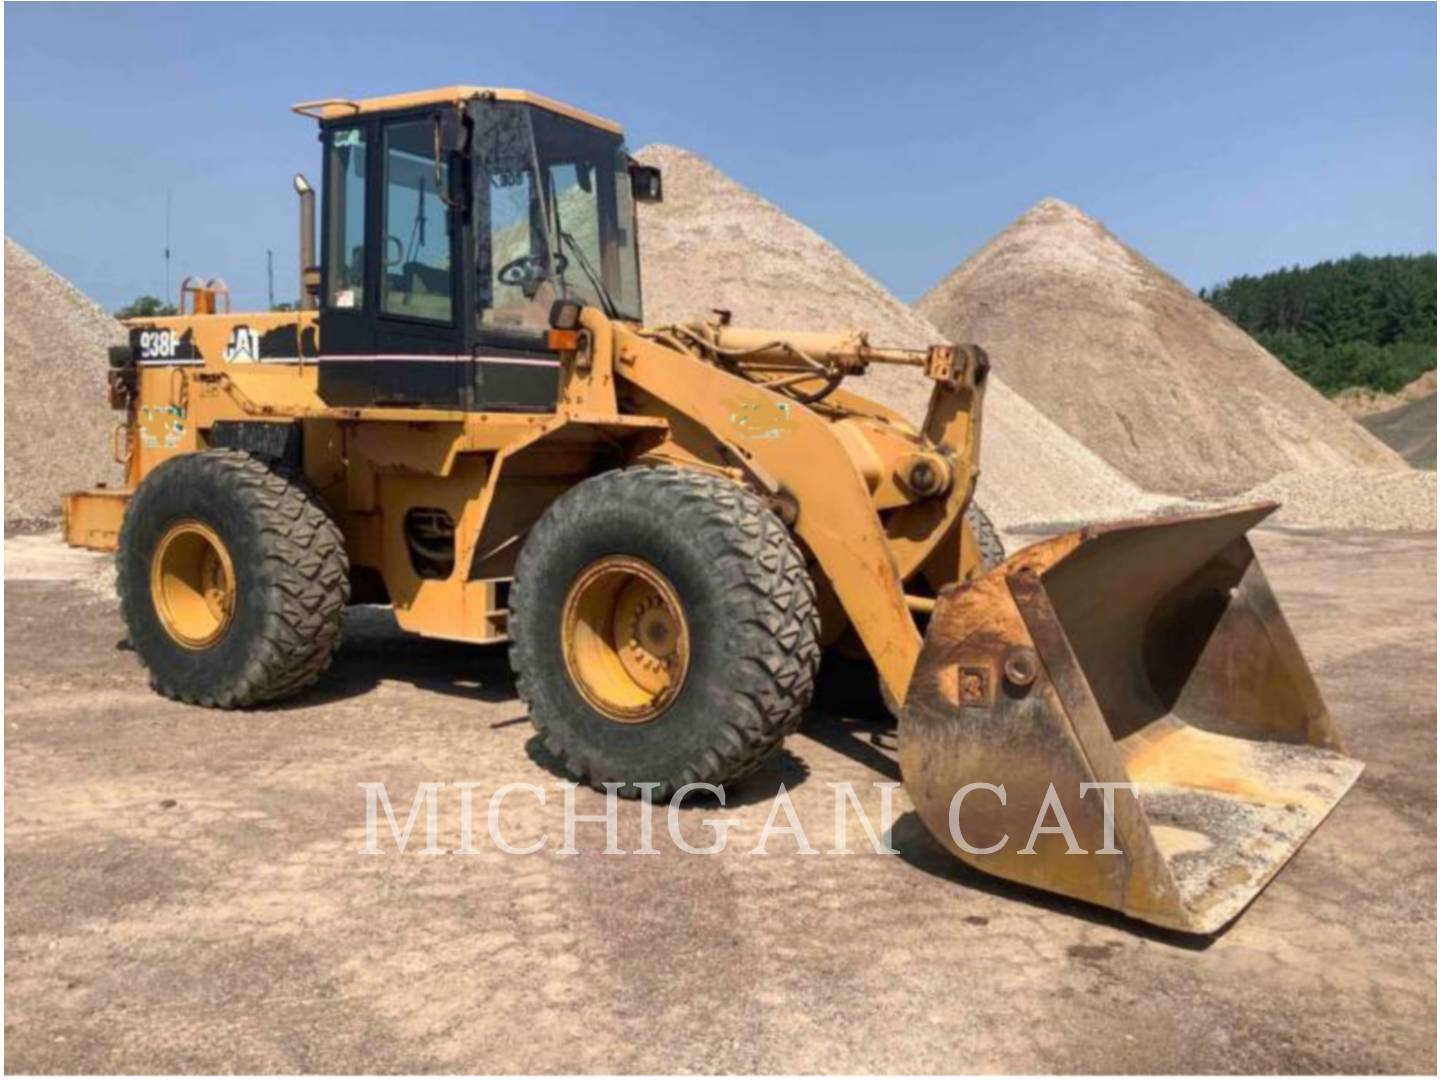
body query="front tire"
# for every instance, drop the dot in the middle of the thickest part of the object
(664, 630)
(233, 580)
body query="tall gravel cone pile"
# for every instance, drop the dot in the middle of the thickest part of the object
(1137, 367)
(58, 425)
(715, 244)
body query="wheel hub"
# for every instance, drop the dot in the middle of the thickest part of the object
(626, 641)
(192, 584)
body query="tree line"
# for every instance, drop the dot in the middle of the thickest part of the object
(152, 307)
(1360, 321)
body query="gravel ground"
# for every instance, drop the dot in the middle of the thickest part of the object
(1135, 366)
(185, 889)
(57, 423)
(1353, 498)
(715, 244)
(1408, 429)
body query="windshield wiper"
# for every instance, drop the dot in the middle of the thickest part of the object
(600, 290)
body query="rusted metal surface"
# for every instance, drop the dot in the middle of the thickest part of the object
(1151, 655)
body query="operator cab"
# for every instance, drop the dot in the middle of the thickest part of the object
(452, 221)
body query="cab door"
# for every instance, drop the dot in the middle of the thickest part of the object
(391, 329)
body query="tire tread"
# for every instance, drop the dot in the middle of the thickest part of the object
(775, 641)
(305, 560)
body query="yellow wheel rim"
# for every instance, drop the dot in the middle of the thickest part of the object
(627, 644)
(192, 584)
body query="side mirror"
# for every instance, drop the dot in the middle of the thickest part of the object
(645, 185)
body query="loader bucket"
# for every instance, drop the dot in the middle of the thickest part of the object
(1145, 653)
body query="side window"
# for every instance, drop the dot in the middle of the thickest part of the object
(417, 276)
(577, 221)
(512, 257)
(345, 232)
(517, 245)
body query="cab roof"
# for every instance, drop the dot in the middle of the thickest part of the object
(339, 108)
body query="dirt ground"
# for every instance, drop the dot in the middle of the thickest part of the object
(185, 890)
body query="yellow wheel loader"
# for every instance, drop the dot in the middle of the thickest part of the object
(470, 421)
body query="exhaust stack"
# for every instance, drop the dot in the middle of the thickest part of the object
(309, 271)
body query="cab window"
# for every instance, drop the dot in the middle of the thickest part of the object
(345, 232)
(516, 262)
(512, 256)
(577, 197)
(417, 278)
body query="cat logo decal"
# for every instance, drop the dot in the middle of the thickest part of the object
(244, 346)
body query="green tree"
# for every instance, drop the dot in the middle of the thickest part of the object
(145, 307)
(1360, 321)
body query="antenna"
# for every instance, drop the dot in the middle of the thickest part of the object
(167, 244)
(270, 274)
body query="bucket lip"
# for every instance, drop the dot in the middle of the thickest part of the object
(1039, 558)
(1260, 510)
(1181, 916)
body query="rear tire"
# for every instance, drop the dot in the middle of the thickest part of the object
(267, 543)
(749, 630)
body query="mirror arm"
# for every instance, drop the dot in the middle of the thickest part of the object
(442, 146)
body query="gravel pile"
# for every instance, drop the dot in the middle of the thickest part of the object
(1387, 499)
(57, 423)
(715, 244)
(1420, 387)
(1135, 366)
(1361, 401)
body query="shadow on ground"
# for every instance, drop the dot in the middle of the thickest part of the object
(374, 649)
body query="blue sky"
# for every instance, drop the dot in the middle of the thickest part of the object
(1216, 139)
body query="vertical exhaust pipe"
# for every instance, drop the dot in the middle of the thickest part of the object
(309, 272)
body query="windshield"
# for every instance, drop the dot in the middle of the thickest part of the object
(553, 216)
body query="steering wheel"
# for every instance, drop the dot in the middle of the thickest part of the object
(526, 270)
(399, 252)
